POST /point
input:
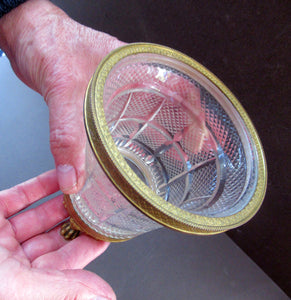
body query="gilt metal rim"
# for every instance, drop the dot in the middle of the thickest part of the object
(127, 181)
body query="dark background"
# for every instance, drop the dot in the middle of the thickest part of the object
(247, 45)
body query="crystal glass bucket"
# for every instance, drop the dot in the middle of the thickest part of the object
(168, 144)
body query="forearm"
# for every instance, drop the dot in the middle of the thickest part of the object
(21, 34)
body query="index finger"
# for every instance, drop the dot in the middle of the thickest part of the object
(24, 194)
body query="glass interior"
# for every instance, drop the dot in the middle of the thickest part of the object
(180, 135)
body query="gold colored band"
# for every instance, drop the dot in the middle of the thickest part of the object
(127, 181)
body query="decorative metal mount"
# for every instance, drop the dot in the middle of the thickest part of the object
(68, 232)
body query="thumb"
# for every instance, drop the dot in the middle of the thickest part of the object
(67, 137)
(64, 93)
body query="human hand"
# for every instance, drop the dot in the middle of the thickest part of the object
(36, 262)
(56, 57)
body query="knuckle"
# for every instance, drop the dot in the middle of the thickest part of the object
(62, 139)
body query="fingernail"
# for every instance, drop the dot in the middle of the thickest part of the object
(67, 177)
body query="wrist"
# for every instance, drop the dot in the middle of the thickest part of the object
(21, 24)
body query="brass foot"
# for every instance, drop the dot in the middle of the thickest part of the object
(68, 232)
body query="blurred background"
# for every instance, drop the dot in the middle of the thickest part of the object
(247, 45)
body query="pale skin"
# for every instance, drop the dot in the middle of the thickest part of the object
(36, 262)
(56, 57)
